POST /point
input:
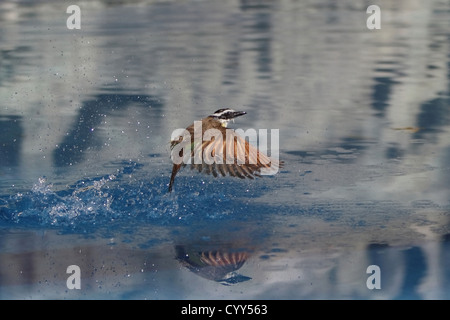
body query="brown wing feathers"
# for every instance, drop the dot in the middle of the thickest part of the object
(246, 162)
(232, 156)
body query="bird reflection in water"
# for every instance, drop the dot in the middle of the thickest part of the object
(217, 265)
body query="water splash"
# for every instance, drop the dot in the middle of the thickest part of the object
(44, 206)
(115, 197)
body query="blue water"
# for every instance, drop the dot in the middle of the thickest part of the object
(86, 118)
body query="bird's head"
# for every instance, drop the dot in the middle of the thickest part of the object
(225, 115)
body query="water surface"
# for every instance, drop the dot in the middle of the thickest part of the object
(86, 116)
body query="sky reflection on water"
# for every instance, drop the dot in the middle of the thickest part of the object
(364, 132)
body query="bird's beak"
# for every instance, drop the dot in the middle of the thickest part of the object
(238, 113)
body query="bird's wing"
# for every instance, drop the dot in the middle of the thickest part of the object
(234, 156)
(235, 260)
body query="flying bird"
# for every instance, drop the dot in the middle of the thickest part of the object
(224, 153)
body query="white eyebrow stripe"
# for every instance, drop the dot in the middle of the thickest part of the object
(222, 113)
